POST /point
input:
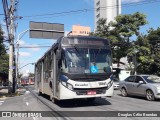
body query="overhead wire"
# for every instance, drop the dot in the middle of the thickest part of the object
(34, 46)
(5, 8)
(56, 14)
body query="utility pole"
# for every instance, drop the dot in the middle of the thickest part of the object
(11, 76)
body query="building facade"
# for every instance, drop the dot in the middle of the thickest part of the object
(107, 9)
(80, 30)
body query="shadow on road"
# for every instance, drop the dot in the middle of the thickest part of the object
(79, 102)
(138, 97)
(82, 103)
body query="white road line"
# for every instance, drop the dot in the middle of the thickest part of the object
(27, 92)
(1, 102)
(27, 103)
(34, 118)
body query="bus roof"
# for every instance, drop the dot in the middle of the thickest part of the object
(84, 40)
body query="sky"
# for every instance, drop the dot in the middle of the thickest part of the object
(67, 12)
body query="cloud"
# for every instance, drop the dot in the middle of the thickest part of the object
(24, 54)
(21, 42)
(131, 1)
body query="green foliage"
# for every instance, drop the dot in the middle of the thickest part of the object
(154, 39)
(129, 25)
(4, 64)
(102, 29)
(4, 58)
(120, 31)
(31, 75)
(144, 52)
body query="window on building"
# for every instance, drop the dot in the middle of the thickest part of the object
(98, 3)
(98, 9)
(98, 16)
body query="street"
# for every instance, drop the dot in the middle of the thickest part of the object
(30, 101)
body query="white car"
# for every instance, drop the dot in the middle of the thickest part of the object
(116, 83)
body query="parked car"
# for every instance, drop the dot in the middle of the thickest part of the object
(116, 83)
(141, 85)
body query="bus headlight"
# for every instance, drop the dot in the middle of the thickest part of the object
(64, 83)
(67, 85)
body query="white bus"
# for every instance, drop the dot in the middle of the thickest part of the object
(75, 67)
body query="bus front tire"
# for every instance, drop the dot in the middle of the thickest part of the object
(39, 93)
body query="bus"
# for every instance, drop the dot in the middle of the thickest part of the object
(76, 67)
(24, 80)
(31, 80)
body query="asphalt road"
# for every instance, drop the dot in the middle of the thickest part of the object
(117, 104)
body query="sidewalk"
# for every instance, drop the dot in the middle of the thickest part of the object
(4, 93)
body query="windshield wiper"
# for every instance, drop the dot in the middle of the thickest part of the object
(78, 51)
(97, 54)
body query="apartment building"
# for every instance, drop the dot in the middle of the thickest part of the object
(107, 9)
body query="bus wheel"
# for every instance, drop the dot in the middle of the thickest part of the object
(53, 100)
(39, 93)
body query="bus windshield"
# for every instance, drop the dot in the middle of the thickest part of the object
(86, 60)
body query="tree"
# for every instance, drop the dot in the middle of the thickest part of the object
(128, 25)
(4, 58)
(31, 75)
(148, 56)
(102, 29)
(120, 31)
(124, 27)
(154, 40)
(141, 54)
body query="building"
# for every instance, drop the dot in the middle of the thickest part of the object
(80, 30)
(107, 9)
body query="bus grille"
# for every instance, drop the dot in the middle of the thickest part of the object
(84, 91)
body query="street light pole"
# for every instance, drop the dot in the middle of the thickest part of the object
(135, 66)
(26, 65)
(17, 60)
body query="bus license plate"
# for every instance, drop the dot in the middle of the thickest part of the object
(91, 92)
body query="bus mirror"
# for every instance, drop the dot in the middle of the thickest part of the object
(58, 54)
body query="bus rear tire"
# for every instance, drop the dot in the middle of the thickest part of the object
(39, 93)
(53, 100)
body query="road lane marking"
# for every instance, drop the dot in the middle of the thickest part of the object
(27, 103)
(27, 92)
(1, 102)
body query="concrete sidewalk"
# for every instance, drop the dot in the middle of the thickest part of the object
(4, 93)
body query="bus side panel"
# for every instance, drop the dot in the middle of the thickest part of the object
(36, 78)
(41, 83)
(46, 88)
(54, 92)
(54, 75)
